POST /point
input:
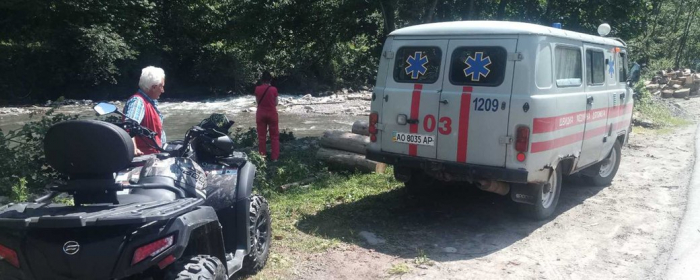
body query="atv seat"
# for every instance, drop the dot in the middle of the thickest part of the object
(90, 152)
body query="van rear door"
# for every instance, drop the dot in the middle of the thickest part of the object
(411, 96)
(474, 103)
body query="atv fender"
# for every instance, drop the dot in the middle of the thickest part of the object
(195, 232)
(245, 181)
(245, 188)
(201, 234)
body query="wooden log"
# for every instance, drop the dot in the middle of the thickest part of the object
(667, 93)
(681, 93)
(361, 128)
(349, 161)
(344, 141)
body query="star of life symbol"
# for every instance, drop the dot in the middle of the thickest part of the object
(477, 66)
(416, 65)
(611, 67)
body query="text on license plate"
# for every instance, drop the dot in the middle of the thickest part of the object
(427, 140)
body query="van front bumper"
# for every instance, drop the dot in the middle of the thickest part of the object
(472, 171)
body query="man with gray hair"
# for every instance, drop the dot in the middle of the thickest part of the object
(143, 108)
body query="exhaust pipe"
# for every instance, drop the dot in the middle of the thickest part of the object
(498, 187)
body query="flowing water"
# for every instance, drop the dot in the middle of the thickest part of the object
(180, 116)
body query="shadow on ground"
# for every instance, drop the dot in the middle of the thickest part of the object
(466, 221)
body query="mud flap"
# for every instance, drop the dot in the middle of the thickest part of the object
(525, 193)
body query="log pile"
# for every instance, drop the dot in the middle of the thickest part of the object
(346, 150)
(677, 84)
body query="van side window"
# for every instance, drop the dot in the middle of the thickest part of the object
(568, 66)
(622, 67)
(544, 67)
(417, 65)
(478, 66)
(595, 67)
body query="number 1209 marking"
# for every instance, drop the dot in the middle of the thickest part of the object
(485, 104)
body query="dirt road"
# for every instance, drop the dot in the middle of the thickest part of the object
(623, 231)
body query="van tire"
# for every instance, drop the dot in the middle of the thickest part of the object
(605, 172)
(419, 183)
(544, 205)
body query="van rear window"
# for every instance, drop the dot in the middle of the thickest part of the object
(417, 65)
(478, 66)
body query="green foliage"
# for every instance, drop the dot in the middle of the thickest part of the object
(91, 49)
(19, 191)
(249, 138)
(23, 166)
(648, 109)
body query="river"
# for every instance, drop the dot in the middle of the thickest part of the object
(302, 115)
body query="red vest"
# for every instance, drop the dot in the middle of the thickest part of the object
(152, 121)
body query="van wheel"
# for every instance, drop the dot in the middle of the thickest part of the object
(419, 182)
(607, 169)
(546, 198)
(197, 267)
(260, 235)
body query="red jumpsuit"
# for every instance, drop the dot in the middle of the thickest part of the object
(265, 117)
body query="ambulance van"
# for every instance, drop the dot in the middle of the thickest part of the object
(509, 107)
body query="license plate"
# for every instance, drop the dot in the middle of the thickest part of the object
(418, 139)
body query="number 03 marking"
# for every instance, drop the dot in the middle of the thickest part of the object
(445, 124)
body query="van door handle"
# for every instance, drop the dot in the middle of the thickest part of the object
(444, 101)
(412, 121)
(589, 100)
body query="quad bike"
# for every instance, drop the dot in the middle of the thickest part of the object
(185, 213)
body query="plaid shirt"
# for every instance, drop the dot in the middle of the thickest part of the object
(134, 109)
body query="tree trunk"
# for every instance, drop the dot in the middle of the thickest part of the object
(502, 9)
(684, 39)
(388, 14)
(361, 128)
(429, 13)
(345, 141)
(349, 161)
(470, 15)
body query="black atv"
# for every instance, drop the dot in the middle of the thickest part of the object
(185, 213)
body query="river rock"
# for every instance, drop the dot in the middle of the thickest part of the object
(371, 238)
(450, 250)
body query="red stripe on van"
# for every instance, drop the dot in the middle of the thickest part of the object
(415, 110)
(556, 143)
(463, 136)
(576, 137)
(549, 124)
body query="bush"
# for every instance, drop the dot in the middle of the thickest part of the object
(249, 138)
(23, 169)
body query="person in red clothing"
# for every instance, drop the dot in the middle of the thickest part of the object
(266, 116)
(143, 108)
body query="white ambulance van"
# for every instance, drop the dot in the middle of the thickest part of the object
(507, 106)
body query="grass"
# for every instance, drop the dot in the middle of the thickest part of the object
(399, 269)
(660, 115)
(297, 230)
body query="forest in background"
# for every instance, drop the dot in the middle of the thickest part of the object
(95, 49)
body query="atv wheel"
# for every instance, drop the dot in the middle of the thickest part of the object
(546, 198)
(607, 169)
(260, 235)
(197, 267)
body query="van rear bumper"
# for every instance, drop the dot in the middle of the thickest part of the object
(460, 169)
